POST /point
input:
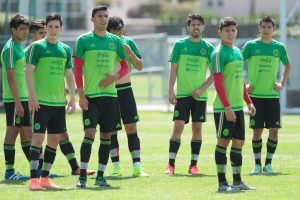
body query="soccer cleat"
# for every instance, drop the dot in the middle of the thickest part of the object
(11, 175)
(268, 169)
(46, 183)
(194, 170)
(228, 189)
(137, 172)
(115, 172)
(100, 181)
(53, 175)
(170, 170)
(81, 182)
(34, 184)
(77, 172)
(242, 186)
(257, 169)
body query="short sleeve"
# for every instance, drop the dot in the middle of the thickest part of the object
(174, 57)
(79, 48)
(284, 56)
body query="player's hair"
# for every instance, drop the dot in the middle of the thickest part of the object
(17, 20)
(227, 21)
(115, 23)
(194, 16)
(97, 8)
(268, 19)
(36, 25)
(52, 17)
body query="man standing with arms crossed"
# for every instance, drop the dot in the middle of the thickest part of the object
(49, 61)
(95, 56)
(127, 103)
(189, 65)
(264, 55)
(15, 95)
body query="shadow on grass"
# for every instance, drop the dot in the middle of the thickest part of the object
(223, 192)
(99, 188)
(118, 178)
(192, 176)
(270, 174)
(13, 182)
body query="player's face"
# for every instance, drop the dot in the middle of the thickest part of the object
(53, 29)
(228, 34)
(195, 28)
(100, 20)
(39, 34)
(20, 34)
(266, 29)
(117, 32)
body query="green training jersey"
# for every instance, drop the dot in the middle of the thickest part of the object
(50, 61)
(99, 56)
(133, 47)
(192, 59)
(229, 62)
(12, 57)
(263, 64)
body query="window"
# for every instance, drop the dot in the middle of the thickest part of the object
(53, 6)
(12, 6)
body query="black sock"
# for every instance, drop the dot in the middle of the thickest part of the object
(271, 148)
(236, 163)
(195, 150)
(85, 154)
(49, 157)
(25, 148)
(173, 149)
(34, 153)
(256, 146)
(221, 162)
(41, 158)
(103, 155)
(114, 149)
(9, 154)
(68, 150)
(134, 147)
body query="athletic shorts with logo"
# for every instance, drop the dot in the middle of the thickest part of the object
(227, 129)
(267, 113)
(103, 111)
(127, 104)
(11, 116)
(187, 106)
(50, 118)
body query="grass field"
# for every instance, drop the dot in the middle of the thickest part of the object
(154, 130)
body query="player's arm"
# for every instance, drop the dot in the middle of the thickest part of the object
(78, 64)
(32, 101)
(285, 74)
(109, 79)
(11, 78)
(136, 61)
(197, 93)
(71, 85)
(248, 101)
(172, 80)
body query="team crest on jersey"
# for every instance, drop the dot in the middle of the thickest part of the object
(275, 52)
(230, 56)
(48, 51)
(203, 51)
(112, 46)
(257, 51)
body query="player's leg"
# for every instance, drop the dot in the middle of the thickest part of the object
(26, 130)
(114, 155)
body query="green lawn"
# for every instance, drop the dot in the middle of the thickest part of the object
(154, 130)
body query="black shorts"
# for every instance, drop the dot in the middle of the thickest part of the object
(52, 118)
(127, 104)
(103, 111)
(267, 113)
(187, 106)
(11, 116)
(228, 130)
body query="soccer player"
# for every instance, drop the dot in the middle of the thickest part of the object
(264, 55)
(15, 95)
(227, 67)
(189, 65)
(49, 61)
(127, 103)
(37, 32)
(95, 55)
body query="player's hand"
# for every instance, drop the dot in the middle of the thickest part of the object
(172, 98)
(250, 88)
(19, 109)
(83, 103)
(109, 79)
(252, 109)
(71, 106)
(33, 103)
(230, 115)
(197, 93)
(278, 87)
(127, 48)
